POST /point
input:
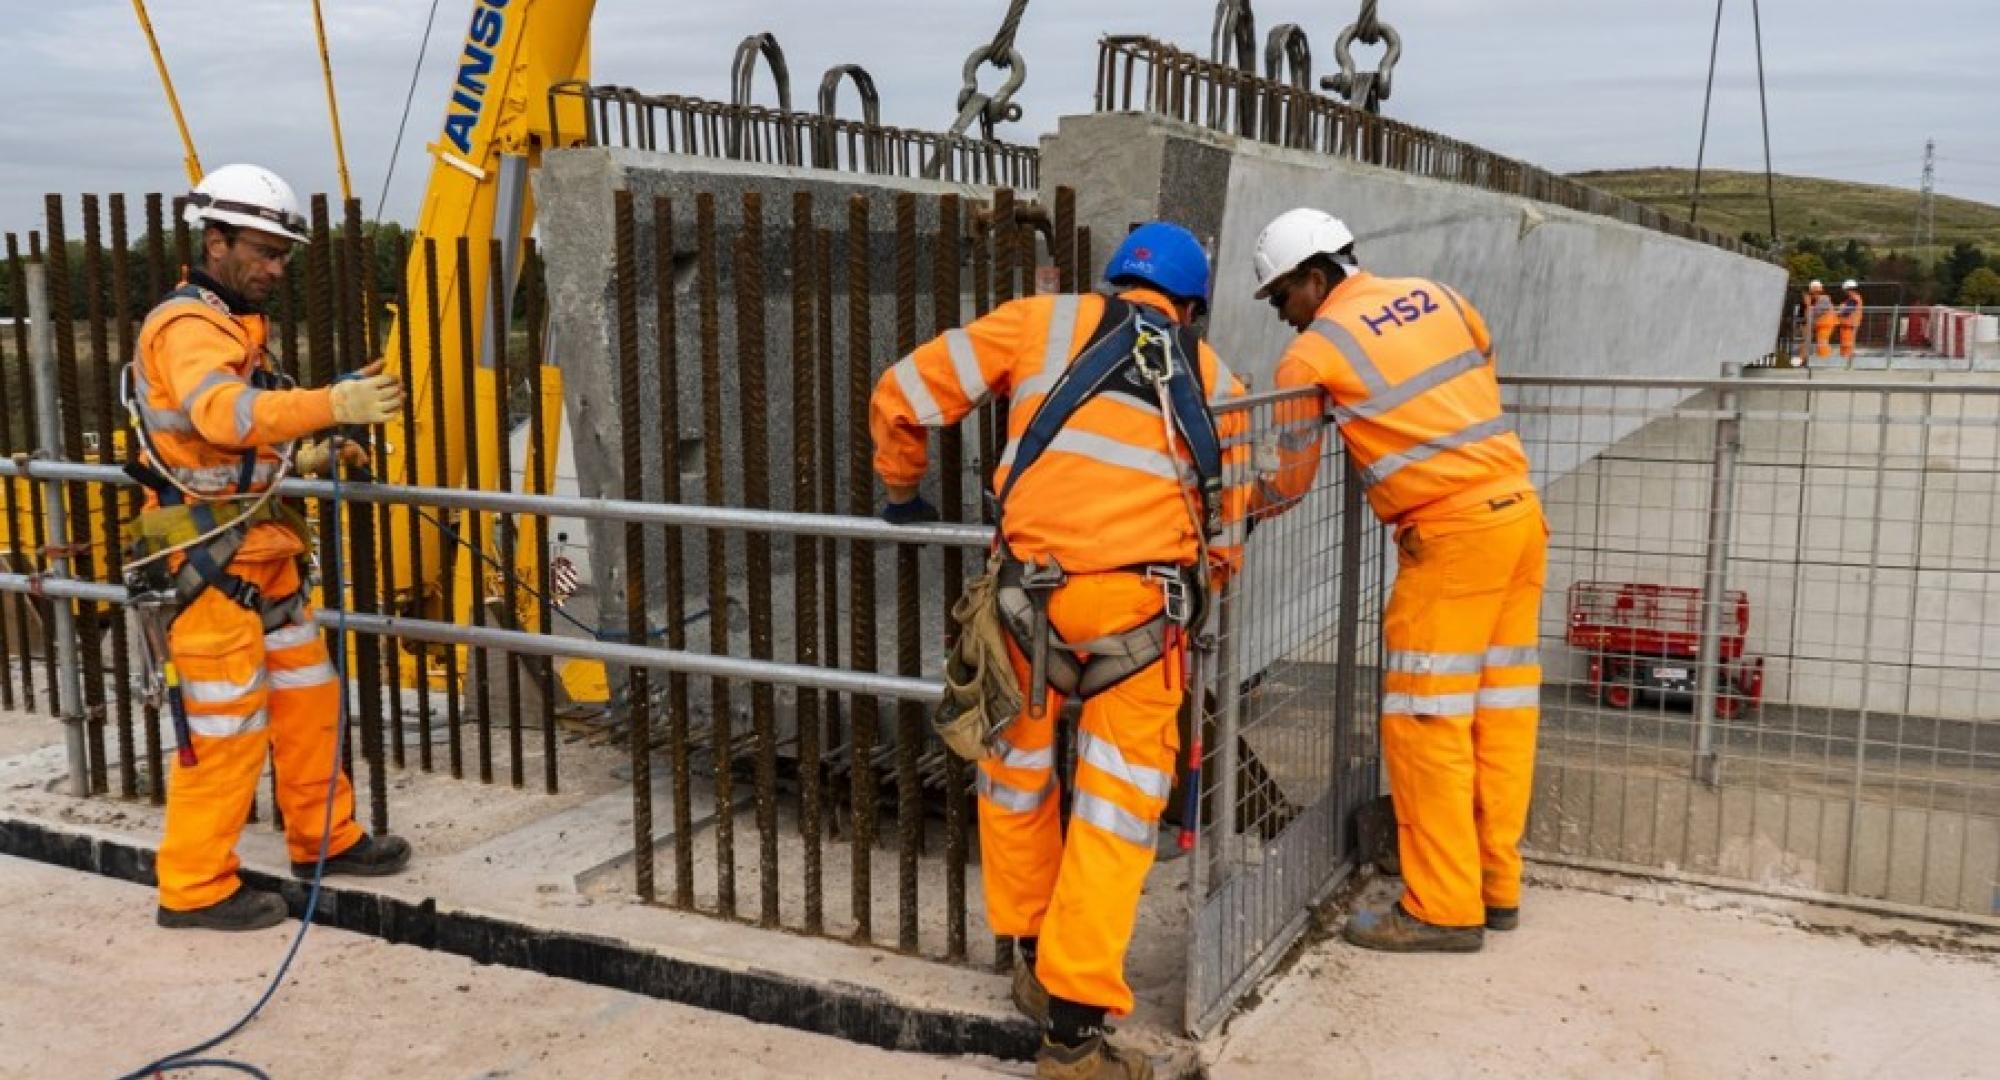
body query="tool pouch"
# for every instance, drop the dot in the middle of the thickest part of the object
(981, 695)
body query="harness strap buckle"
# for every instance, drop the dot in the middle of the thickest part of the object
(1174, 590)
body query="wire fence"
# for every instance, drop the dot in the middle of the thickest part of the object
(1293, 749)
(1891, 337)
(1772, 634)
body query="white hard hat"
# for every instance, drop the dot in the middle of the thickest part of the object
(1814, 284)
(1850, 283)
(1293, 237)
(247, 196)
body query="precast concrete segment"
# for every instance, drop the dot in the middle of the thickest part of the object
(1565, 292)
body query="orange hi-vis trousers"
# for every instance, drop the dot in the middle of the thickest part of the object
(1462, 696)
(249, 693)
(1082, 896)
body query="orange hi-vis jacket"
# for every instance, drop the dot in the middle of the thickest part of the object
(1106, 495)
(212, 410)
(1850, 309)
(1409, 366)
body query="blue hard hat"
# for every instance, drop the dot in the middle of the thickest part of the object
(1164, 256)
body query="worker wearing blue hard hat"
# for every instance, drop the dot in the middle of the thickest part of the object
(1107, 493)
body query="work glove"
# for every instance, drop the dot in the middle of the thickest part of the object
(367, 397)
(914, 512)
(316, 458)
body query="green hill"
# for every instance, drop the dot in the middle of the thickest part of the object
(1833, 210)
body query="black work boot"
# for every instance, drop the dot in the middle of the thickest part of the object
(373, 856)
(246, 909)
(1396, 930)
(1503, 918)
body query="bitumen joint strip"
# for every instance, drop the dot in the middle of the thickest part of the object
(843, 1010)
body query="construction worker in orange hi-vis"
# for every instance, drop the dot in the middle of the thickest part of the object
(1850, 316)
(1108, 492)
(1817, 318)
(1409, 367)
(245, 665)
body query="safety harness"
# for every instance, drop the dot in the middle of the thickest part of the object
(1139, 354)
(206, 527)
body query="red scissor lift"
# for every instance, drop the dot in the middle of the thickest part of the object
(1648, 638)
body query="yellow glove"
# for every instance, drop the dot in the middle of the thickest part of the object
(367, 397)
(312, 459)
(316, 458)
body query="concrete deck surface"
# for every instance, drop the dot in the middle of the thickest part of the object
(1659, 982)
(94, 989)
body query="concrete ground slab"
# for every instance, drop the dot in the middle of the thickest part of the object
(1649, 981)
(356, 1006)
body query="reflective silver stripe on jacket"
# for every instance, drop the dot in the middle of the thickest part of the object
(1428, 704)
(1427, 663)
(246, 414)
(215, 478)
(1510, 697)
(1103, 450)
(1357, 357)
(290, 637)
(1007, 797)
(1513, 656)
(965, 364)
(1062, 331)
(1391, 464)
(220, 691)
(173, 421)
(300, 678)
(1105, 757)
(223, 726)
(214, 380)
(1410, 389)
(916, 393)
(1114, 819)
(1017, 758)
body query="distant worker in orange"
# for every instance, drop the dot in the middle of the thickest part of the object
(1817, 318)
(1850, 316)
(1409, 366)
(1108, 490)
(219, 426)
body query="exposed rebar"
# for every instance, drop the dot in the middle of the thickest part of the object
(499, 296)
(363, 547)
(25, 606)
(830, 390)
(441, 476)
(637, 697)
(679, 706)
(714, 493)
(45, 608)
(805, 551)
(541, 481)
(753, 401)
(474, 530)
(69, 388)
(861, 559)
(909, 620)
(944, 316)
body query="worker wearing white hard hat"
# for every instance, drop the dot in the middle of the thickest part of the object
(248, 672)
(1409, 367)
(1816, 322)
(1849, 316)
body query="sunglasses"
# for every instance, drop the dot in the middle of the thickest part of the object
(1280, 292)
(267, 252)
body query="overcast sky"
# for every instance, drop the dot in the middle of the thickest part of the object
(1855, 87)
